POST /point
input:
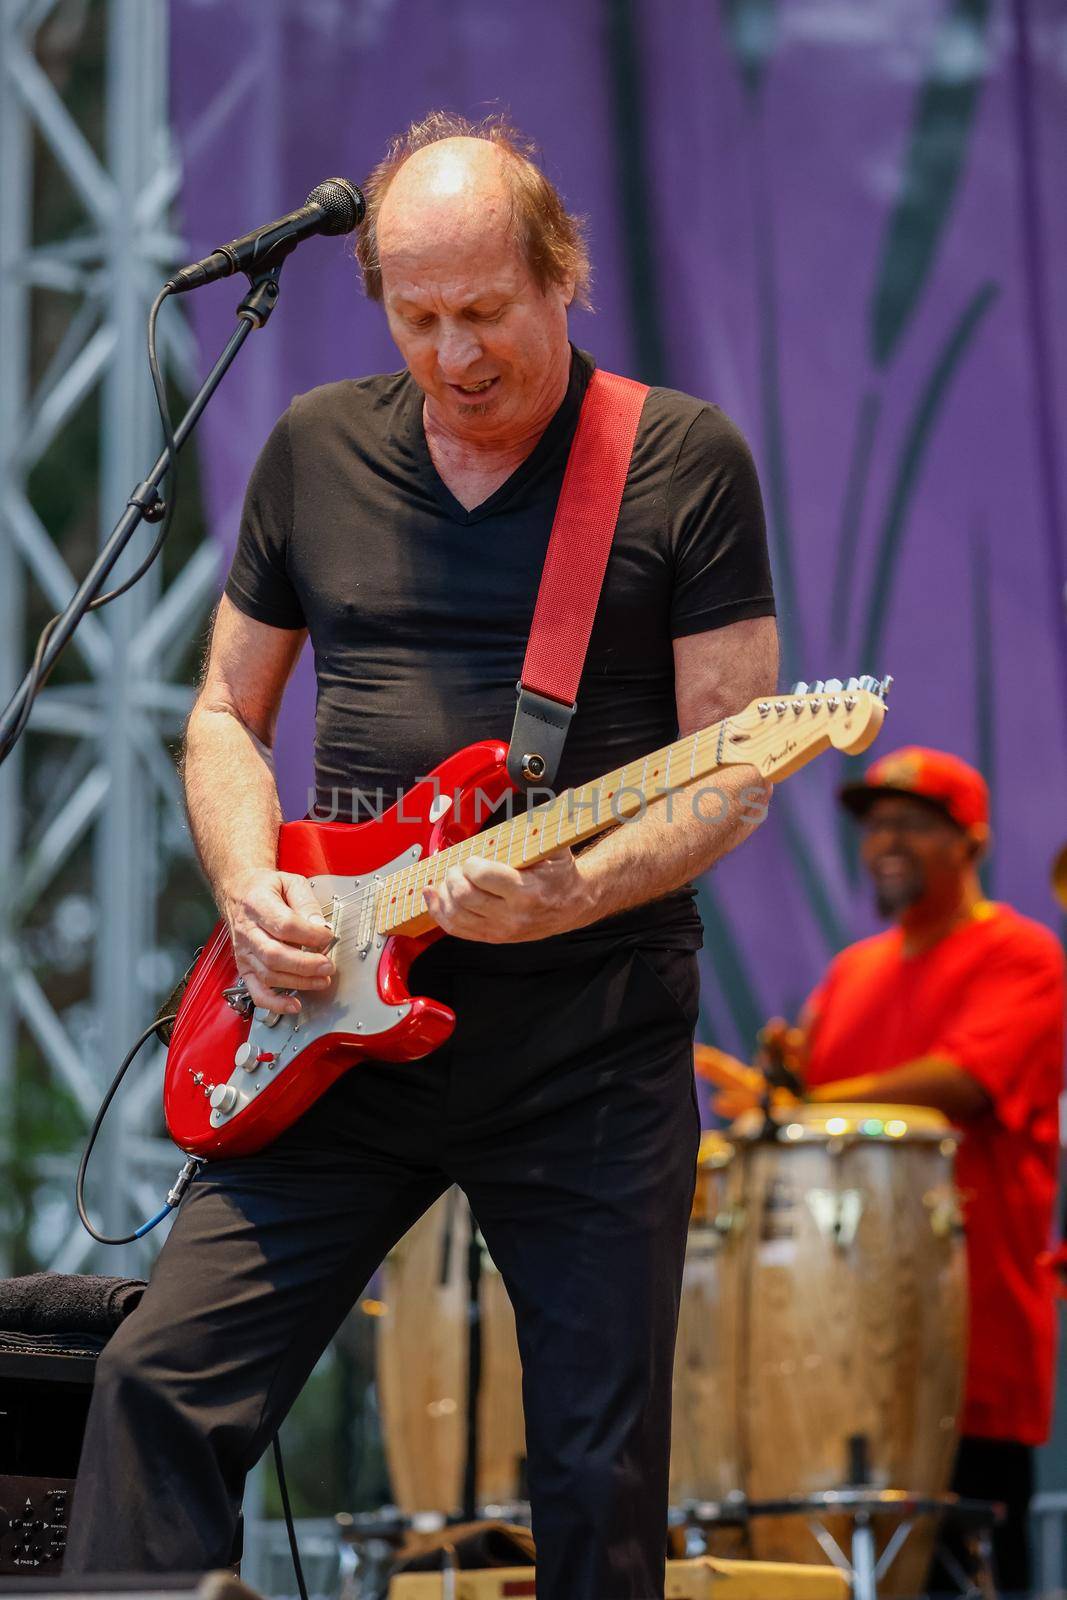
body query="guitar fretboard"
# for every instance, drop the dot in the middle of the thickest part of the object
(573, 816)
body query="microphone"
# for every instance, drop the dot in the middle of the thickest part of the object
(335, 206)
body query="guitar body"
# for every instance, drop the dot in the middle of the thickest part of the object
(235, 1081)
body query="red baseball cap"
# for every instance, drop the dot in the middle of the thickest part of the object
(944, 780)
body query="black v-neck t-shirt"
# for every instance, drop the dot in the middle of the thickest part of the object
(419, 610)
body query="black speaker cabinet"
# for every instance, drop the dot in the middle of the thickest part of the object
(44, 1400)
(134, 1586)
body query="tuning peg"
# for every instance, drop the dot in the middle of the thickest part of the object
(884, 688)
(799, 688)
(833, 686)
(851, 685)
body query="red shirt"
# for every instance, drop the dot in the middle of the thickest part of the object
(989, 997)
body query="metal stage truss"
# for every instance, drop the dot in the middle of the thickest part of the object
(113, 800)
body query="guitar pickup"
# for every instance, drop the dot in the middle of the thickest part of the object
(332, 913)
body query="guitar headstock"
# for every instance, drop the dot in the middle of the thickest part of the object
(781, 733)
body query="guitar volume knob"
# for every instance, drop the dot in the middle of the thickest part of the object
(223, 1097)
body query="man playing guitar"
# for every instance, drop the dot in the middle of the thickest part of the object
(401, 522)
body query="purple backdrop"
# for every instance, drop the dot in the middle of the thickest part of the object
(843, 223)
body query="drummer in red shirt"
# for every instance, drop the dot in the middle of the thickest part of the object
(959, 1006)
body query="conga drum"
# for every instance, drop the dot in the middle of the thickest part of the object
(422, 1354)
(705, 1440)
(824, 1319)
(705, 1446)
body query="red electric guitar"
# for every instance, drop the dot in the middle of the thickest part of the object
(237, 1075)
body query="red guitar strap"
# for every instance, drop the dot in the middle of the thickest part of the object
(573, 574)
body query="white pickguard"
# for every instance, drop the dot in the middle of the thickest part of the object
(352, 1003)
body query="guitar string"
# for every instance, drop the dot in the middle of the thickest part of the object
(705, 736)
(701, 740)
(357, 899)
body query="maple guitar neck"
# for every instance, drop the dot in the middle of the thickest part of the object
(776, 736)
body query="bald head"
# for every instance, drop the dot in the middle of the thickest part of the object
(447, 197)
(447, 171)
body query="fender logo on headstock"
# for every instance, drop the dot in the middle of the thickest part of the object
(786, 750)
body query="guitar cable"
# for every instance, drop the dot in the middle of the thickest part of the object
(158, 1026)
(283, 1490)
(181, 1183)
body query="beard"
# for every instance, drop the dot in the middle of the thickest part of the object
(896, 896)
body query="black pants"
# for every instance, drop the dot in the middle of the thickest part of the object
(564, 1107)
(1002, 1470)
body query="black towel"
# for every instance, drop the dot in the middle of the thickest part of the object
(67, 1303)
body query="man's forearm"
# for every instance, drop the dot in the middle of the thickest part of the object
(232, 797)
(927, 1081)
(678, 837)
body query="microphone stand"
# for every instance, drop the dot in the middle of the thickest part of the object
(144, 504)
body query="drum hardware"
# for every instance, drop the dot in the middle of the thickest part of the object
(449, 1334)
(946, 1217)
(842, 1127)
(371, 1542)
(715, 1155)
(863, 1566)
(368, 1542)
(776, 1068)
(769, 1129)
(1058, 876)
(693, 1520)
(778, 1214)
(476, 1254)
(713, 1230)
(859, 1459)
(837, 1213)
(730, 1220)
(448, 1578)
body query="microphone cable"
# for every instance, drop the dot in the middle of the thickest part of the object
(37, 677)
